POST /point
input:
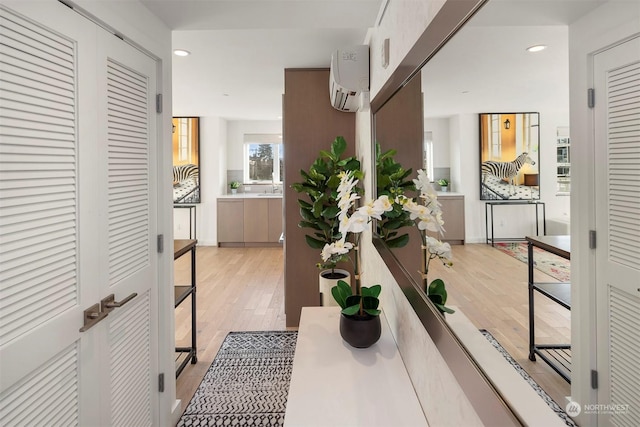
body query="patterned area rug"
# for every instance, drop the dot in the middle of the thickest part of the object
(543, 394)
(544, 261)
(247, 383)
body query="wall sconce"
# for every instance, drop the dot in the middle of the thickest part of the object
(507, 124)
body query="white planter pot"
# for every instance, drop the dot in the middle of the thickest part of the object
(327, 283)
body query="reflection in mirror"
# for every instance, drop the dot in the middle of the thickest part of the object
(186, 160)
(509, 156)
(485, 67)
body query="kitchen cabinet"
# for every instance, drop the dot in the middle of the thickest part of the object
(230, 220)
(453, 216)
(275, 220)
(256, 220)
(249, 221)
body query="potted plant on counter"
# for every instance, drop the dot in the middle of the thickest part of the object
(234, 185)
(444, 184)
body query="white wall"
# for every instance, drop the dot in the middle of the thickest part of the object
(440, 130)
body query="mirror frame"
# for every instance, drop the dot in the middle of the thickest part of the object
(487, 401)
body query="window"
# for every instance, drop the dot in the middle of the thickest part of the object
(563, 158)
(263, 158)
(427, 155)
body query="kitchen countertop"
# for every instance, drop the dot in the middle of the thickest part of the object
(251, 196)
(442, 194)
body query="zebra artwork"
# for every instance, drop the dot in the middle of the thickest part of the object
(184, 172)
(186, 184)
(506, 170)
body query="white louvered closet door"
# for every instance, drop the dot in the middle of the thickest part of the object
(617, 172)
(127, 151)
(77, 221)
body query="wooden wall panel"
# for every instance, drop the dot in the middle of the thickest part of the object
(399, 124)
(310, 124)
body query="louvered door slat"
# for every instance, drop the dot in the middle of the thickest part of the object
(625, 336)
(54, 385)
(37, 176)
(130, 375)
(128, 153)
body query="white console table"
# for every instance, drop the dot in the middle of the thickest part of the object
(334, 384)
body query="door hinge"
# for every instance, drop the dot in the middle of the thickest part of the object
(592, 239)
(160, 243)
(159, 103)
(161, 383)
(591, 97)
(594, 379)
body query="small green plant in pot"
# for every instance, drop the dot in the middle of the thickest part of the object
(234, 185)
(444, 184)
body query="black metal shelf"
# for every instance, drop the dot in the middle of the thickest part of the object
(558, 356)
(184, 355)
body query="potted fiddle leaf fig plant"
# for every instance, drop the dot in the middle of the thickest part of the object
(320, 208)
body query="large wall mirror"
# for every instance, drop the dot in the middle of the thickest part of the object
(480, 78)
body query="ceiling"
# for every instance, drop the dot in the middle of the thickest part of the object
(239, 49)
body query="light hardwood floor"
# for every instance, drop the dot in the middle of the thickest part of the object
(242, 289)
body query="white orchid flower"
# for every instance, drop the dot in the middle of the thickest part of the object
(436, 247)
(356, 223)
(339, 247)
(422, 181)
(382, 204)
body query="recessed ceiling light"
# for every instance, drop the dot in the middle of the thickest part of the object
(536, 48)
(181, 52)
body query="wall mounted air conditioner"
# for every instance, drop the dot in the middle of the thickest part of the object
(349, 77)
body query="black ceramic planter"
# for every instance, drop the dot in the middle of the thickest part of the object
(360, 331)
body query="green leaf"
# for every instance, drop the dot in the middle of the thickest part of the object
(304, 204)
(398, 242)
(318, 207)
(340, 293)
(370, 302)
(351, 310)
(372, 312)
(353, 300)
(333, 182)
(328, 155)
(393, 224)
(338, 147)
(373, 291)
(307, 224)
(314, 243)
(331, 212)
(389, 153)
(437, 288)
(307, 215)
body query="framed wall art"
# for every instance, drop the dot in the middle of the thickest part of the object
(509, 156)
(186, 160)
